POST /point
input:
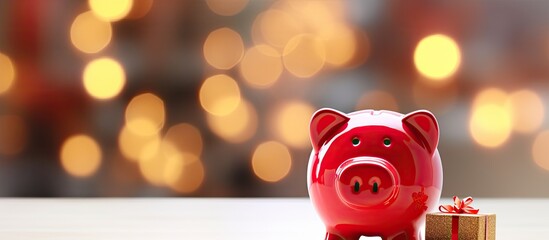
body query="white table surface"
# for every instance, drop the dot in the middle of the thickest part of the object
(215, 218)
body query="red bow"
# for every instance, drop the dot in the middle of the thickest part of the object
(460, 206)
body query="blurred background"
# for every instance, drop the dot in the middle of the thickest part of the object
(212, 98)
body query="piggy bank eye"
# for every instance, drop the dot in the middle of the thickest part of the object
(355, 141)
(387, 142)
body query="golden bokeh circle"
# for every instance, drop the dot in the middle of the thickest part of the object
(490, 125)
(161, 164)
(437, 57)
(145, 114)
(104, 78)
(292, 123)
(277, 27)
(90, 34)
(223, 48)
(490, 95)
(236, 127)
(340, 44)
(304, 55)
(190, 177)
(80, 155)
(261, 66)
(109, 10)
(227, 8)
(526, 109)
(7, 73)
(219, 95)
(271, 161)
(132, 144)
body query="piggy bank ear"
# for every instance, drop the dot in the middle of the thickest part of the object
(423, 127)
(324, 123)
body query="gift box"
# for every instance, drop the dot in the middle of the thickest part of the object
(460, 226)
(460, 221)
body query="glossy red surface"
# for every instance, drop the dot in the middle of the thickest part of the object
(374, 173)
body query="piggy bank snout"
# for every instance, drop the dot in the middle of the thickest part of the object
(367, 182)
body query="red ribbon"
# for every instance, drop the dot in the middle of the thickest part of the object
(460, 206)
(455, 227)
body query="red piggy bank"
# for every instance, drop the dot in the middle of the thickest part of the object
(374, 173)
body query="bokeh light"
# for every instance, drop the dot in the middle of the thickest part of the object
(490, 123)
(80, 155)
(377, 100)
(540, 151)
(140, 8)
(437, 57)
(276, 28)
(110, 10)
(490, 95)
(132, 144)
(160, 163)
(13, 134)
(145, 114)
(227, 8)
(304, 55)
(186, 137)
(527, 110)
(261, 66)
(340, 44)
(223, 48)
(90, 34)
(166, 165)
(292, 123)
(104, 78)
(190, 177)
(319, 15)
(362, 49)
(7, 73)
(219, 95)
(271, 161)
(238, 126)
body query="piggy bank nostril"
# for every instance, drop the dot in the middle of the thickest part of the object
(374, 187)
(356, 187)
(355, 184)
(375, 182)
